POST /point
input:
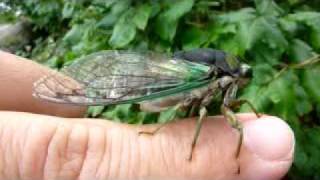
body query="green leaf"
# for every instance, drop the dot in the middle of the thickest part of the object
(277, 97)
(166, 28)
(306, 17)
(315, 36)
(120, 6)
(262, 53)
(268, 7)
(281, 93)
(104, 3)
(263, 73)
(311, 82)
(75, 34)
(178, 8)
(243, 38)
(230, 45)
(108, 20)
(155, 8)
(312, 20)
(267, 30)
(239, 43)
(167, 21)
(303, 106)
(123, 33)
(95, 111)
(257, 95)
(170, 114)
(288, 26)
(218, 30)
(126, 113)
(146, 118)
(245, 14)
(193, 38)
(68, 9)
(249, 31)
(167, 115)
(142, 14)
(299, 50)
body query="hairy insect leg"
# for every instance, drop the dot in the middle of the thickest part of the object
(232, 120)
(172, 117)
(193, 108)
(238, 103)
(203, 114)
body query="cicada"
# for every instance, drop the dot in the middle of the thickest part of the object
(186, 81)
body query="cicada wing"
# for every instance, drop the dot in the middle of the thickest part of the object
(112, 77)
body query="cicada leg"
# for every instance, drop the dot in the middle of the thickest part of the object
(203, 114)
(232, 120)
(181, 105)
(153, 132)
(194, 106)
(172, 117)
(238, 103)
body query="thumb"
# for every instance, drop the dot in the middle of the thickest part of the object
(44, 147)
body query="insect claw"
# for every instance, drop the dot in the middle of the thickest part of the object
(151, 133)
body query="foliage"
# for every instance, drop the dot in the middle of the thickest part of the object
(266, 33)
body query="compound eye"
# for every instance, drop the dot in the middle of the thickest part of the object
(246, 71)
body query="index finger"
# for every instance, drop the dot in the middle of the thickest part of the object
(17, 76)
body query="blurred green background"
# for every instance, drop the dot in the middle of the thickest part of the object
(266, 34)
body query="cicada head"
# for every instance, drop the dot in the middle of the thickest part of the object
(234, 66)
(245, 71)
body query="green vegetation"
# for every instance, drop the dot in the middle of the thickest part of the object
(267, 34)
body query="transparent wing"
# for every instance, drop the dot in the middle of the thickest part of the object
(113, 77)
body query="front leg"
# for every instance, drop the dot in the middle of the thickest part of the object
(229, 103)
(229, 97)
(232, 120)
(237, 103)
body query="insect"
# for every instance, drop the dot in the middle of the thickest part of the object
(186, 80)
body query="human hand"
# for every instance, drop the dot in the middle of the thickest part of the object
(34, 146)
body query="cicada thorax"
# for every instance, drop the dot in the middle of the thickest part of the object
(226, 64)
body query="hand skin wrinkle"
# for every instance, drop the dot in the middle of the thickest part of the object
(77, 131)
(9, 152)
(95, 153)
(47, 150)
(162, 145)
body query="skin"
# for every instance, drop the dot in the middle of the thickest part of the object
(42, 140)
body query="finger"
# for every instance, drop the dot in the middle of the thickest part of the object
(268, 149)
(17, 76)
(44, 147)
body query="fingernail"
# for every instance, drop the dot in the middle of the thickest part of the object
(269, 138)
